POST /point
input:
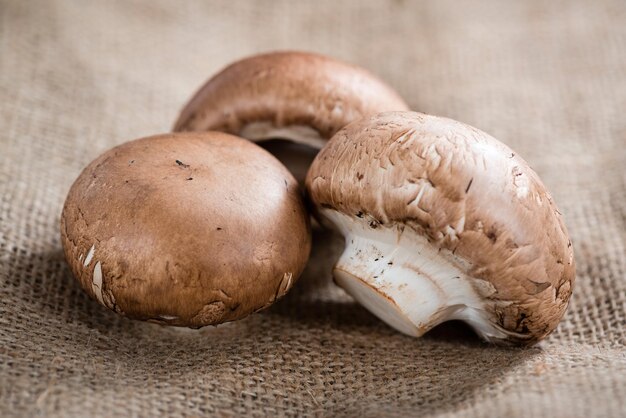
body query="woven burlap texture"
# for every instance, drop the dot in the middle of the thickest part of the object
(77, 77)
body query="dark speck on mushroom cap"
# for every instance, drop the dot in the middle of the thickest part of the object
(184, 252)
(467, 193)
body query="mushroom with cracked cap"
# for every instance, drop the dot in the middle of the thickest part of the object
(186, 229)
(289, 102)
(443, 222)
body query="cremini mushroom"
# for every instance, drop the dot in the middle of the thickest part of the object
(291, 96)
(186, 229)
(443, 222)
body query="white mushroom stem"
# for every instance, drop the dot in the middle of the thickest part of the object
(406, 281)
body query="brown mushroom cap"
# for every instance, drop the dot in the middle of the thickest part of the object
(188, 229)
(297, 96)
(476, 216)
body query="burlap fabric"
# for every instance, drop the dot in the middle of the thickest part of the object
(77, 77)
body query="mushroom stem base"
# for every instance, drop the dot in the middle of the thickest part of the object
(376, 302)
(407, 281)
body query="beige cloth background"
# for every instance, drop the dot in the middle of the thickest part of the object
(77, 77)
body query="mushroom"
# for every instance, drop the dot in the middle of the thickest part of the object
(443, 222)
(291, 96)
(186, 229)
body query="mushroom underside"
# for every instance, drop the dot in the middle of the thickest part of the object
(411, 284)
(295, 146)
(300, 134)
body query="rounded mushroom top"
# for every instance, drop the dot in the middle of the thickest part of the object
(463, 191)
(188, 229)
(311, 96)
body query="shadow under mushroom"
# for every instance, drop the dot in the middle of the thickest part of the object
(330, 354)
